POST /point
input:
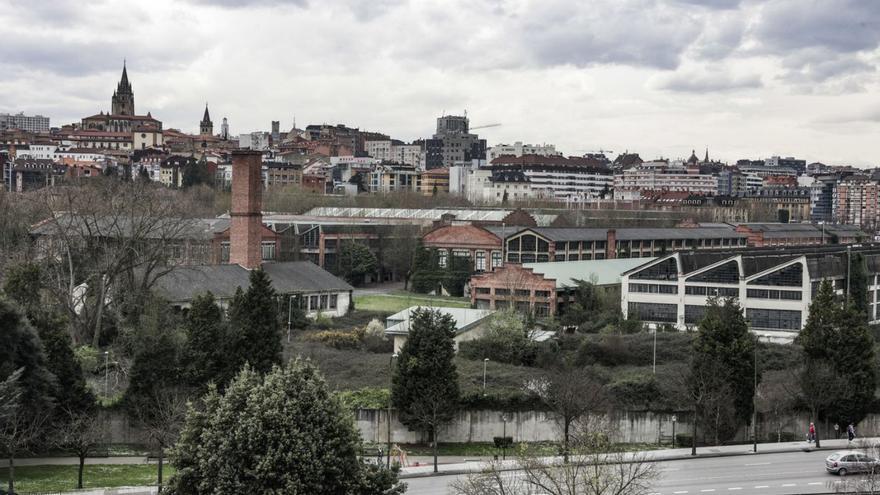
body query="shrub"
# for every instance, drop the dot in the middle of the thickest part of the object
(683, 440)
(336, 340)
(505, 341)
(378, 345)
(365, 398)
(322, 321)
(502, 442)
(633, 350)
(637, 390)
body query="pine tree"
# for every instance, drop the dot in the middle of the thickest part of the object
(204, 353)
(20, 348)
(256, 330)
(854, 360)
(858, 284)
(425, 383)
(723, 342)
(819, 331)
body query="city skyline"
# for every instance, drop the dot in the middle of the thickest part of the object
(747, 79)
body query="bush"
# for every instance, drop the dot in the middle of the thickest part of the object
(322, 322)
(365, 398)
(502, 442)
(505, 341)
(637, 390)
(633, 350)
(378, 345)
(336, 340)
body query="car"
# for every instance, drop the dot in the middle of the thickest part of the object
(850, 461)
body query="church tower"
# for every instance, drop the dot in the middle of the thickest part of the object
(206, 127)
(123, 98)
(224, 129)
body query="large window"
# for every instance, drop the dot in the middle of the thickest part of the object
(664, 270)
(224, 252)
(496, 259)
(653, 288)
(654, 312)
(702, 290)
(480, 261)
(443, 258)
(790, 276)
(268, 250)
(774, 319)
(694, 314)
(790, 295)
(728, 273)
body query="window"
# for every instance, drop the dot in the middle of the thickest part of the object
(502, 292)
(324, 301)
(653, 288)
(529, 242)
(496, 259)
(728, 273)
(522, 307)
(480, 264)
(790, 295)
(443, 258)
(700, 290)
(654, 312)
(559, 257)
(513, 244)
(522, 292)
(693, 314)
(527, 258)
(775, 319)
(560, 246)
(483, 290)
(513, 257)
(572, 246)
(224, 252)
(268, 250)
(542, 309)
(313, 303)
(334, 301)
(790, 276)
(542, 293)
(664, 270)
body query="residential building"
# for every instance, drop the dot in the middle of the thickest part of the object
(791, 202)
(554, 177)
(28, 174)
(520, 149)
(394, 177)
(380, 150)
(799, 166)
(469, 324)
(774, 287)
(453, 143)
(435, 181)
(642, 181)
(280, 175)
(29, 123)
(822, 198)
(856, 202)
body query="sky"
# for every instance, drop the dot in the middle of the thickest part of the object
(745, 78)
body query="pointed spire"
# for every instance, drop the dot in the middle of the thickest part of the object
(707, 155)
(124, 81)
(207, 117)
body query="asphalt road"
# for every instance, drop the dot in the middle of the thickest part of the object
(766, 474)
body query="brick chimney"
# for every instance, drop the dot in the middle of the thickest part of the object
(610, 244)
(246, 224)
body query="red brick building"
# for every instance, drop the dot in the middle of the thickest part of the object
(480, 244)
(512, 285)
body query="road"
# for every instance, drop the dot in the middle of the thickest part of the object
(768, 474)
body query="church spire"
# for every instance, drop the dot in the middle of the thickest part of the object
(207, 117)
(707, 155)
(124, 80)
(206, 127)
(122, 102)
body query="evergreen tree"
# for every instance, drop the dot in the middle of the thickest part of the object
(858, 283)
(425, 384)
(71, 393)
(854, 360)
(723, 342)
(204, 353)
(819, 332)
(157, 367)
(254, 325)
(356, 261)
(281, 433)
(20, 348)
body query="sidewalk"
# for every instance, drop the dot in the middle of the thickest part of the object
(458, 465)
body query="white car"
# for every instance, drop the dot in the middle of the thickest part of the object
(850, 461)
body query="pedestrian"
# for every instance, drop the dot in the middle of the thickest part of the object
(836, 430)
(812, 435)
(851, 432)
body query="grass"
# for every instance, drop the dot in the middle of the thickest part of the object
(398, 301)
(62, 478)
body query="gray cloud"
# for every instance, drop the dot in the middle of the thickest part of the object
(708, 82)
(713, 4)
(243, 4)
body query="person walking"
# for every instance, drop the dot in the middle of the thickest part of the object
(851, 432)
(812, 434)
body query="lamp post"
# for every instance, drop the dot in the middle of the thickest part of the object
(106, 374)
(674, 418)
(848, 265)
(485, 364)
(755, 399)
(504, 437)
(654, 366)
(289, 308)
(390, 375)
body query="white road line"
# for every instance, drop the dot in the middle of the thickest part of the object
(758, 464)
(788, 484)
(815, 483)
(735, 488)
(679, 493)
(708, 490)
(762, 486)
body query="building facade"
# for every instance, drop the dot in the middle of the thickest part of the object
(20, 121)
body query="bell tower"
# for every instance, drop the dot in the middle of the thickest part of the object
(206, 127)
(122, 102)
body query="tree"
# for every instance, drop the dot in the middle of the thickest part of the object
(424, 387)
(858, 284)
(255, 329)
(819, 332)
(196, 173)
(81, 434)
(356, 261)
(20, 348)
(162, 420)
(506, 340)
(157, 361)
(820, 387)
(284, 432)
(723, 338)
(204, 352)
(571, 393)
(20, 425)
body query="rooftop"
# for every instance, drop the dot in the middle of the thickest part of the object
(599, 272)
(465, 319)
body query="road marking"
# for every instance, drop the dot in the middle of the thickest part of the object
(758, 464)
(762, 486)
(815, 483)
(788, 484)
(679, 493)
(708, 490)
(735, 488)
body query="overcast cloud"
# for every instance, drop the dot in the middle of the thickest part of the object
(746, 78)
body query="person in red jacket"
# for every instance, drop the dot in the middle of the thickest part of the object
(812, 436)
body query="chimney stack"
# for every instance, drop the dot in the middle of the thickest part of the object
(246, 226)
(611, 244)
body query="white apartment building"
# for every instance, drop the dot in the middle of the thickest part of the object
(380, 150)
(520, 149)
(39, 151)
(663, 180)
(254, 140)
(387, 151)
(29, 123)
(574, 179)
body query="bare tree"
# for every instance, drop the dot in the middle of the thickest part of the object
(109, 238)
(596, 469)
(19, 427)
(775, 398)
(820, 386)
(571, 393)
(162, 422)
(81, 434)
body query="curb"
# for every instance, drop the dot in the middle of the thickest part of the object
(707, 455)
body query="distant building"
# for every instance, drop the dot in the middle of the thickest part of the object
(520, 149)
(453, 143)
(856, 201)
(554, 177)
(469, 324)
(639, 182)
(258, 141)
(391, 177)
(224, 129)
(206, 127)
(435, 181)
(29, 174)
(800, 166)
(29, 123)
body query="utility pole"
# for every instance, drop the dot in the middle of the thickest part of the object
(755, 400)
(654, 366)
(848, 265)
(485, 364)
(289, 303)
(390, 375)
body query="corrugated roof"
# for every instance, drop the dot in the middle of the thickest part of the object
(600, 272)
(465, 319)
(634, 234)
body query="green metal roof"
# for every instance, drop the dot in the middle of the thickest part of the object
(600, 272)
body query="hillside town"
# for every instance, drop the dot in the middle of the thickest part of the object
(197, 298)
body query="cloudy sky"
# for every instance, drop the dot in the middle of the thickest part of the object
(746, 78)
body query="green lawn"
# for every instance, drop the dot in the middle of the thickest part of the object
(398, 301)
(62, 478)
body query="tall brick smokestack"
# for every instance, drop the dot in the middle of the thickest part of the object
(610, 244)
(247, 219)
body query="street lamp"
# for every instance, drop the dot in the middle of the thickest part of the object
(106, 373)
(289, 308)
(390, 376)
(504, 419)
(674, 419)
(654, 366)
(485, 363)
(755, 399)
